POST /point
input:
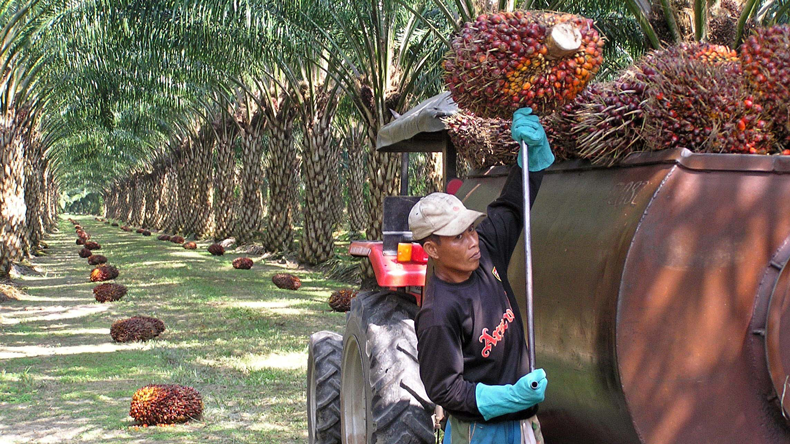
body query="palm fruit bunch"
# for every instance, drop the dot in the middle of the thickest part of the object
(602, 124)
(78, 227)
(146, 233)
(190, 246)
(163, 237)
(136, 328)
(114, 224)
(83, 235)
(509, 60)
(109, 292)
(139, 231)
(104, 272)
(340, 300)
(216, 249)
(80, 241)
(177, 239)
(696, 99)
(91, 245)
(286, 281)
(126, 228)
(96, 259)
(483, 142)
(765, 58)
(85, 253)
(165, 404)
(242, 263)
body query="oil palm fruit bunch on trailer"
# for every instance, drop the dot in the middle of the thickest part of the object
(190, 245)
(286, 281)
(177, 239)
(96, 259)
(216, 249)
(242, 263)
(104, 272)
(509, 60)
(765, 58)
(109, 292)
(136, 328)
(482, 142)
(165, 404)
(85, 253)
(340, 300)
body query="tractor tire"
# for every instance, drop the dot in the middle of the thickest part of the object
(323, 387)
(382, 399)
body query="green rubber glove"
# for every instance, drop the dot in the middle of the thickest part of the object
(498, 400)
(526, 126)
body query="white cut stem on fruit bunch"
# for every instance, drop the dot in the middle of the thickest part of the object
(528, 258)
(563, 40)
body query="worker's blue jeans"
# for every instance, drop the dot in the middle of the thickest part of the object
(507, 432)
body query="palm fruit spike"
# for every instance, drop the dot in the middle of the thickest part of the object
(286, 281)
(109, 292)
(85, 253)
(508, 60)
(340, 300)
(242, 263)
(91, 245)
(723, 119)
(190, 245)
(165, 404)
(765, 58)
(104, 272)
(216, 249)
(482, 142)
(136, 328)
(96, 259)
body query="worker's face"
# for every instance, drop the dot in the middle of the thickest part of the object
(459, 254)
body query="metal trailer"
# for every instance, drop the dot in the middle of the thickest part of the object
(662, 303)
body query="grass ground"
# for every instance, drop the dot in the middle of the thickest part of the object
(231, 334)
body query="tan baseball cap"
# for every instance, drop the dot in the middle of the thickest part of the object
(441, 214)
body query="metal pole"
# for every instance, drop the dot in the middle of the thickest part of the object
(528, 258)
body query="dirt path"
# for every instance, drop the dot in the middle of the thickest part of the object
(231, 334)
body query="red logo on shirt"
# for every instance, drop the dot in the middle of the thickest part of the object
(491, 340)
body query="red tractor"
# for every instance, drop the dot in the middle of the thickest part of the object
(662, 302)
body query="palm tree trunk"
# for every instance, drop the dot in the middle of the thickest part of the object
(12, 193)
(34, 194)
(356, 183)
(224, 180)
(202, 178)
(320, 173)
(435, 172)
(383, 173)
(250, 211)
(281, 172)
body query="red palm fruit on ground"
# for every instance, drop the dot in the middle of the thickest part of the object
(139, 231)
(765, 58)
(80, 241)
(91, 245)
(136, 328)
(190, 245)
(216, 249)
(163, 237)
(480, 141)
(700, 103)
(177, 239)
(78, 227)
(83, 235)
(104, 272)
(165, 404)
(505, 61)
(85, 253)
(114, 224)
(286, 281)
(242, 263)
(126, 228)
(340, 300)
(146, 233)
(109, 292)
(96, 259)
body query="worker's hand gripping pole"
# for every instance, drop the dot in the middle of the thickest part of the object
(528, 257)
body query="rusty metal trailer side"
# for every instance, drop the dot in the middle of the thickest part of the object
(662, 302)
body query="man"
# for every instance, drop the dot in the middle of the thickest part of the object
(472, 352)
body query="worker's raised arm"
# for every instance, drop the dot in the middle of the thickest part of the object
(501, 229)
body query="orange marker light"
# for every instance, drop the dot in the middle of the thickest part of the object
(404, 252)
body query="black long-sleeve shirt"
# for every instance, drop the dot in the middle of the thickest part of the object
(472, 331)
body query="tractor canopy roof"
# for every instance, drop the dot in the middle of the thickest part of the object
(420, 129)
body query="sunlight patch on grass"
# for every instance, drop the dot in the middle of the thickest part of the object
(53, 313)
(253, 362)
(28, 351)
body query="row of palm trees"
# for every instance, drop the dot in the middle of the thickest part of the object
(219, 118)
